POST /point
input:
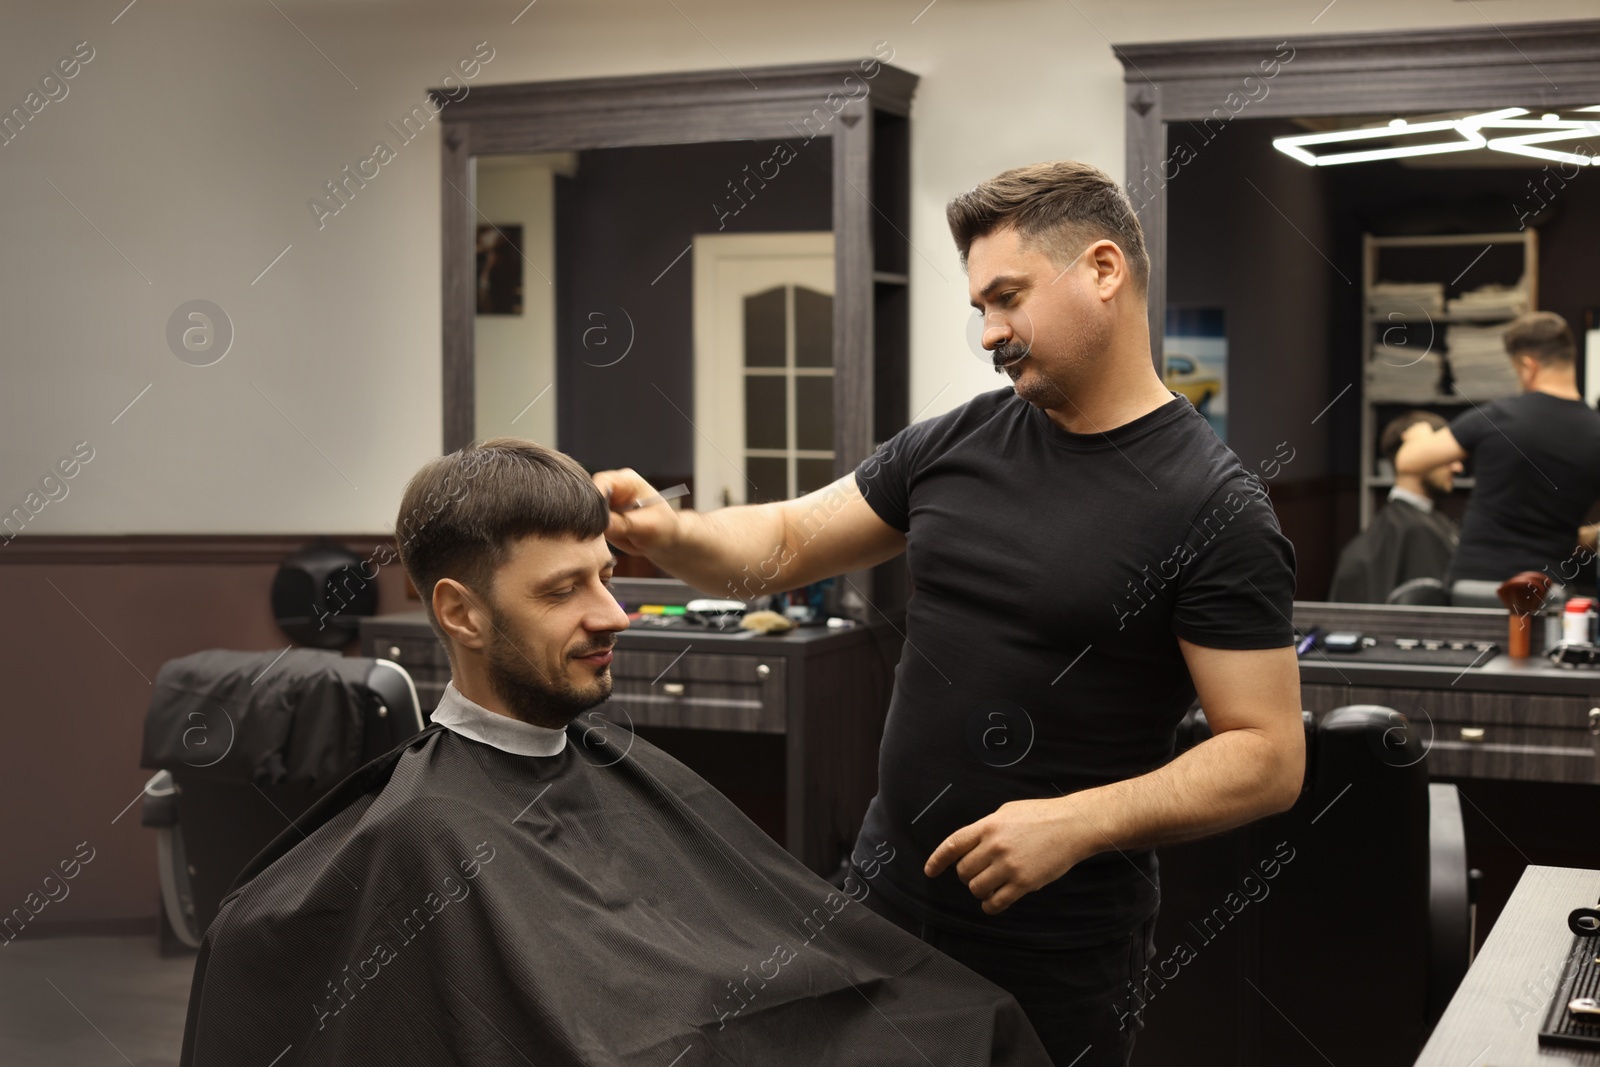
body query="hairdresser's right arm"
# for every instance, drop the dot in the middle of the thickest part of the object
(752, 549)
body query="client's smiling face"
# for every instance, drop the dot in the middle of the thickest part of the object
(548, 657)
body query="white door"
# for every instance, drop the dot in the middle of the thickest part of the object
(763, 370)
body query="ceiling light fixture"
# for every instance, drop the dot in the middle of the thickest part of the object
(1467, 135)
(1523, 145)
(1295, 146)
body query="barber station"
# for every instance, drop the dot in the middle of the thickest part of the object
(733, 535)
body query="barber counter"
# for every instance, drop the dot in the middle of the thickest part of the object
(1519, 738)
(1508, 1010)
(787, 726)
(1485, 715)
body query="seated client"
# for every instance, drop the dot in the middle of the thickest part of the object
(1409, 537)
(525, 882)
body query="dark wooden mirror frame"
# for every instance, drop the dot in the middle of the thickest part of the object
(1549, 64)
(764, 103)
(863, 105)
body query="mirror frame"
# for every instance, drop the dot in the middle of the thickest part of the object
(871, 216)
(1474, 66)
(697, 106)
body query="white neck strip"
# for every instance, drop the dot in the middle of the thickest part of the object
(473, 720)
(1416, 500)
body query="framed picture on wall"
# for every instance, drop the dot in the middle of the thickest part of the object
(499, 270)
(1196, 356)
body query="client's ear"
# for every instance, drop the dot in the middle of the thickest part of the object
(461, 615)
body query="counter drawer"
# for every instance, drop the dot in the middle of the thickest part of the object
(410, 650)
(1487, 735)
(698, 690)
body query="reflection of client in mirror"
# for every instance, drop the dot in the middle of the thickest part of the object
(1409, 537)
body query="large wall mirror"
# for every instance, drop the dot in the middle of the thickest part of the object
(1273, 274)
(701, 276)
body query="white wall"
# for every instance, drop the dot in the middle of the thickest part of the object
(514, 362)
(194, 138)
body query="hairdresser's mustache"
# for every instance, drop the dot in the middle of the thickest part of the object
(1006, 354)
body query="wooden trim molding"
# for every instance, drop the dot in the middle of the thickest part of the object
(179, 549)
(708, 105)
(1544, 64)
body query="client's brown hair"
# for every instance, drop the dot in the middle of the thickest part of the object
(1057, 207)
(461, 513)
(1389, 441)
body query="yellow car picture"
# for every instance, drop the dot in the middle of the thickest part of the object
(1184, 377)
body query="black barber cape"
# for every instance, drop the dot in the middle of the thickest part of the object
(451, 903)
(1401, 543)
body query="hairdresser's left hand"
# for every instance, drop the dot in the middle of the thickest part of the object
(1023, 846)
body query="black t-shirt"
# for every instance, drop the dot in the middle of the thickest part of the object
(1536, 461)
(1054, 573)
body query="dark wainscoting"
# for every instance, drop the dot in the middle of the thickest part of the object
(88, 621)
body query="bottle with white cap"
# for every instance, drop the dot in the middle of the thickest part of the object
(1577, 621)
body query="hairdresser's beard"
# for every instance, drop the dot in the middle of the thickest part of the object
(542, 696)
(1070, 365)
(1028, 377)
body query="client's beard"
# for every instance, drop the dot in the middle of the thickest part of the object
(532, 696)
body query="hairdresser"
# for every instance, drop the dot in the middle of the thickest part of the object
(1088, 557)
(1535, 462)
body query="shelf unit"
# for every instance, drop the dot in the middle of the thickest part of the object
(1375, 412)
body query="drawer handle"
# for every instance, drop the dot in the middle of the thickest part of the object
(1472, 733)
(1594, 720)
(762, 671)
(394, 651)
(673, 689)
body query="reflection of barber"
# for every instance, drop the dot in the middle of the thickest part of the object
(1536, 458)
(1410, 537)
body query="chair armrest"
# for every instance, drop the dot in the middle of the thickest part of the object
(159, 805)
(1449, 900)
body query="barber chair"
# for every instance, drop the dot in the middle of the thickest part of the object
(1333, 932)
(1419, 591)
(243, 744)
(1475, 593)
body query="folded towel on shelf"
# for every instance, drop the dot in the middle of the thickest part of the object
(1479, 367)
(1480, 389)
(1406, 298)
(1477, 346)
(1402, 373)
(1489, 302)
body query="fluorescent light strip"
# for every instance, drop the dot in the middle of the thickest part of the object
(1288, 145)
(1468, 128)
(1522, 145)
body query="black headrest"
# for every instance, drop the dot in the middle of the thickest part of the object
(1421, 591)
